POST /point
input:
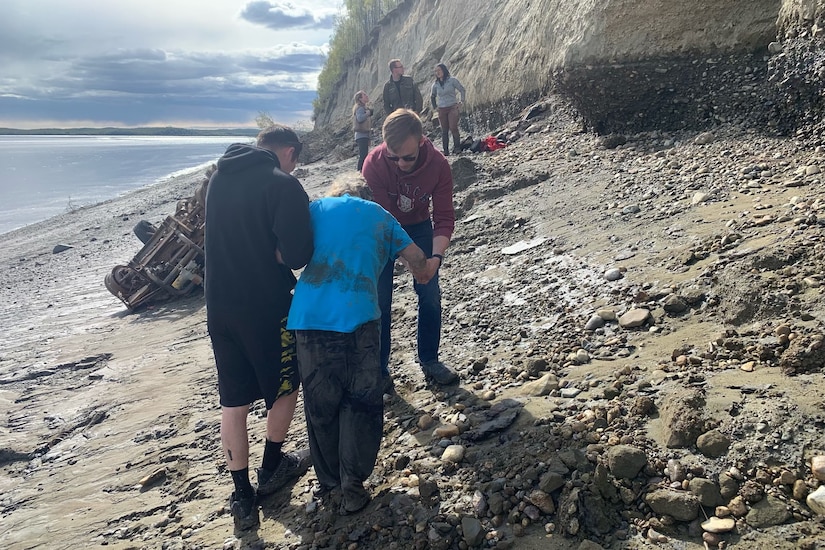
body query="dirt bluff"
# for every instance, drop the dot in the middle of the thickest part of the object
(624, 65)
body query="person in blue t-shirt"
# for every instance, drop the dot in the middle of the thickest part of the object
(337, 324)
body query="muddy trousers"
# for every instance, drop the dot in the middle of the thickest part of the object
(343, 404)
(429, 302)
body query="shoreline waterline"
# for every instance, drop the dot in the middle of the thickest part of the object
(45, 177)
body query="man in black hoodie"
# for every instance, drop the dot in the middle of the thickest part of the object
(258, 230)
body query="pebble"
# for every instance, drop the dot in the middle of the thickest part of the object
(425, 421)
(453, 453)
(718, 525)
(635, 317)
(569, 392)
(818, 467)
(613, 274)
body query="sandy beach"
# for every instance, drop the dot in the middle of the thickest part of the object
(110, 420)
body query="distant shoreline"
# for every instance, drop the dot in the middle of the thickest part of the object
(143, 131)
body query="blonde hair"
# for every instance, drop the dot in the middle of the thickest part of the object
(356, 99)
(352, 184)
(399, 126)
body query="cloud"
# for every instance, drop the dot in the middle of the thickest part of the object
(281, 16)
(142, 60)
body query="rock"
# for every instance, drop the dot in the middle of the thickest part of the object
(472, 531)
(58, 248)
(738, 507)
(674, 304)
(728, 486)
(635, 317)
(626, 461)
(447, 431)
(612, 141)
(655, 536)
(699, 198)
(704, 138)
(718, 525)
(818, 467)
(453, 453)
(551, 481)
(680, 505)
(543, 501)
(613, 274)
(816, 501)
(681, 415)
(569, 392)
(768, 512)
(800, 490)
(607, 314)
(521, 246)
(542, 386)
(425, 421)
(713, 443)
(707, 491)
(594, 322)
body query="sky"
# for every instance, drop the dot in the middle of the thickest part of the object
(196, 64)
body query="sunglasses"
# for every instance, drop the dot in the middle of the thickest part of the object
(405, 158)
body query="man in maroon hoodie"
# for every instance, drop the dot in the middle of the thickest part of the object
(407, 175)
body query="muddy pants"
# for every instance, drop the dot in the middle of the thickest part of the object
(343, 403)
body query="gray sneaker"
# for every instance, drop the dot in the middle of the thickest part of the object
(244, 512)
(292, 466)
(440, 373)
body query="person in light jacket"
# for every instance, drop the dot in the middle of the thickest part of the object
(444, 96)
(362, 125)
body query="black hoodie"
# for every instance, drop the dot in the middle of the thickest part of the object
(252, 209)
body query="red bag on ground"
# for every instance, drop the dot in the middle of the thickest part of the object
(491, 144)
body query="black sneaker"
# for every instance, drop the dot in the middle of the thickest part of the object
(355, 503)
(244, 512)
(292, 466)
(440, 373)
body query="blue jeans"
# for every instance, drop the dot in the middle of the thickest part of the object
(429, 303)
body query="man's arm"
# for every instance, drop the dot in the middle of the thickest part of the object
(293, 225)
(422, 268)
(443, 212)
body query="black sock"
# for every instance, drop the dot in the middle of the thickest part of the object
(243, 488)
(272, 455)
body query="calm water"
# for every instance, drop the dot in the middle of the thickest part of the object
(42, 176)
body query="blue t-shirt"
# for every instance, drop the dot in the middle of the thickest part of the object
(354, 240)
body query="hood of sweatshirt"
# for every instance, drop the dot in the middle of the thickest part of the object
(239, 157)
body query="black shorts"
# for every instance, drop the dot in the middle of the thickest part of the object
(256, 359)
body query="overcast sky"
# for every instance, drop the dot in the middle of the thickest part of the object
(213, 63)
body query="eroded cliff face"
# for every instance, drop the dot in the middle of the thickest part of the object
(623, 64)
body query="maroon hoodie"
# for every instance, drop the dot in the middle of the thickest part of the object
(408, 195)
